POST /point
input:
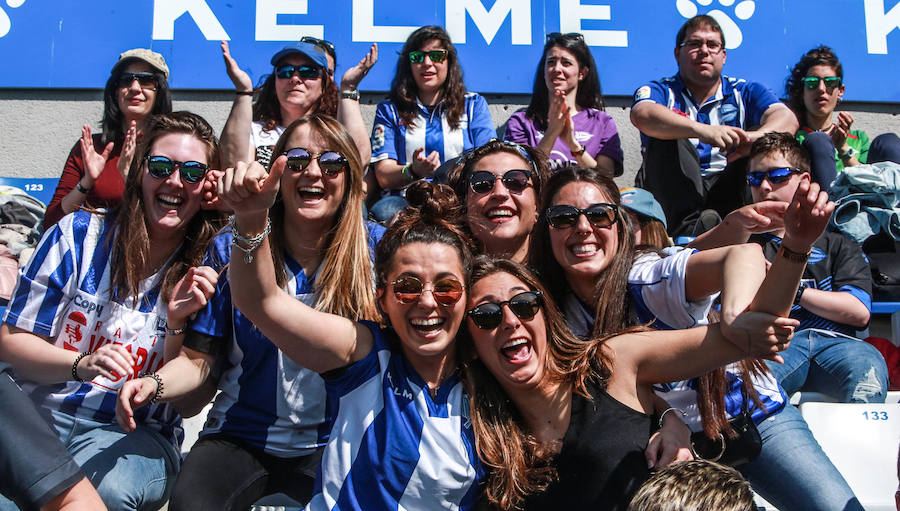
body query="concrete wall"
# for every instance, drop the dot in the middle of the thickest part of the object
(39, 127)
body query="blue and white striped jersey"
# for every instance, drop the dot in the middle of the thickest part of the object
(737, 103)
(394, 445)
(391, 138)
(64, 294)
(267, 400)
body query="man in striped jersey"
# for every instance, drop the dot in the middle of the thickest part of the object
(697, 126)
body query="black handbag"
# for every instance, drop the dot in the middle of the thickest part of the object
(731, 451)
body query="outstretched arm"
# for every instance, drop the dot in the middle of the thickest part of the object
(349, 113)
(316, 340)
(235, 144)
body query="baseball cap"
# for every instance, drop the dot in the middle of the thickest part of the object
(316, 54)
(155, 60)
(641, 201)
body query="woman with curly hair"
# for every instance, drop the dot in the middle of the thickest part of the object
(428, 118)
(565, 118)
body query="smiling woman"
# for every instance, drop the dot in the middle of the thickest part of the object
(107, 285)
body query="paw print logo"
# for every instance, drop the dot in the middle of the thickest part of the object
(743, 10)
(5, 24)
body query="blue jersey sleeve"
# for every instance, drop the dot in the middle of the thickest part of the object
(757, 99)
(653, 91)
(481, 125)
(215, 318)
(386, 134)
(342, 381)
(49, 281)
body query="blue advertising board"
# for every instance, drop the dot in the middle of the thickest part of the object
(73, 44)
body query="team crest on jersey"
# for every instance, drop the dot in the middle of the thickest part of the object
(642, 93)
(378, 137)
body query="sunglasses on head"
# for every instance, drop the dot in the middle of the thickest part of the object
(515, 180)
(601, 214)
(144, 79)
(304, 71)
(553, 36)
(161, 167)
(436, 56)
(331, 162)
(321, 43)
(831, 82)
(408, 289)
(775, 176)
(488, 316)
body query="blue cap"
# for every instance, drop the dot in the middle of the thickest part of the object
(641, 201)
(316, 54)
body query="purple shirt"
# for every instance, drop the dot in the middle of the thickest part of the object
(595, 130)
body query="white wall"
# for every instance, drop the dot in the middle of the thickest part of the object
(39, 127)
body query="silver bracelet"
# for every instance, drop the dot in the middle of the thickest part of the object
(673, 409)
(248, 245)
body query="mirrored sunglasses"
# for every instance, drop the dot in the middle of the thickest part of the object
(408, 289)
(331, 162)
(305, 72)
(831, 82)
(515, 180)
(436, 56)
(775, 176)
(161, 167)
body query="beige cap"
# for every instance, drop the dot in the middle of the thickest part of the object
(149, 56)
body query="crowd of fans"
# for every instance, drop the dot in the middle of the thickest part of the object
(428, 317)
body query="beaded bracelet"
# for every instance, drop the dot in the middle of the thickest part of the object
(75, 366)
(159, 386)
(249, 245)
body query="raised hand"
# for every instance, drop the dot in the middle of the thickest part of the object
(93, 161)
(239, 77)
(558, 114)
(248, 188)
(128, 148)
(807, 216)
(210, 193)
(133, 395)
(839, 130)
(191, 293)
(354, 75)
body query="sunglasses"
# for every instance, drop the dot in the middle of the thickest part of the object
(408, 289)
(321, 43)
(831, 82)
(775, 176)
(553, 36)
(161, 167)
(304, 71)
(482, 181)
(436, 56)
(331, 162)
(145, 80)
(601, 214)
(488, 316)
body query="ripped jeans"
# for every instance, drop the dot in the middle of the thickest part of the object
(844, 368)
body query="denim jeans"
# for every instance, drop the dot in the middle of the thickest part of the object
(131, 471)
(792, 471)
(845, 368)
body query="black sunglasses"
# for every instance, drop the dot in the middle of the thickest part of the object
(524, 305)
(144, 79)
(303, 71)
(775, 176)
(409, 288)
(162, 167)
(553, 36)
(331, 162)
(515, 180)
(321, 43)
(601, 214)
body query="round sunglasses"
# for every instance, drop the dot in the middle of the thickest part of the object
(482, 181)
(331, 162)
(489, 315)
(408, 289)
(161, 167)
(304, 71)
(601, 214)
(775, 176)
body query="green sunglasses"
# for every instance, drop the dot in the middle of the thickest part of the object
(831, 82)
(436, 56)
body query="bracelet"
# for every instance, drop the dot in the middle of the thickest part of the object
(350, 94)
(579, 151)
(794, 257)
(175, 331)
(243, 93)
(673, 409)
(248, 245)
(407, 173)
(159, 386)
(849, 153)
(75, 366)
(800, 289)
(81, 188)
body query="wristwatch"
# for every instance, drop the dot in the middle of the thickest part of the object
(350, 94)
(850, 153)
(799, 294)
(578, 152)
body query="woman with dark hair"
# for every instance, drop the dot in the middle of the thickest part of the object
(301, 83)
(499, 186)
(265, 429)
(97, 166)
(589, 263)
(98, 302)
(400, 436)
(563, 422)
(565, 118)
(814, 89)
(428, 118)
